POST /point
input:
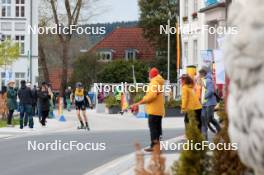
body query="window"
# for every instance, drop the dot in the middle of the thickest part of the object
(195, 52)
(20, 8)
(19, 76)
(195, 5)
(21, 40)
(186, 8)
(3, 74)
(186, 52)
(106, 56)
(5, 37)
(20, 26)
(130, 54)
(6, 8)
(212, 37)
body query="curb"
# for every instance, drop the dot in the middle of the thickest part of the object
(115, 167)
(124, 163)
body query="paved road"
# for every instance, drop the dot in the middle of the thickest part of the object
(15, 159)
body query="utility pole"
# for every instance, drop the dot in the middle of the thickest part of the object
(31, 36)
(134, 76)
(168, 30)
(2, 40)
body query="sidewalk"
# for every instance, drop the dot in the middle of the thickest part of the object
(126, 165)
(105, 122)
(53, 125)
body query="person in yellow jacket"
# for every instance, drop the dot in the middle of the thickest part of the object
(154, 103)
(190, 100)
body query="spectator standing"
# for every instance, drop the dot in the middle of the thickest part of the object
(190, 100)
(38, 105)
(51, 101)
(3, 103)
(154, 101)
(209, 102)
(25, 105)
(11, 101)
(44, 96)
(68, 94)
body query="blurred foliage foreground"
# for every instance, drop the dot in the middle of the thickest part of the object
(196, 162)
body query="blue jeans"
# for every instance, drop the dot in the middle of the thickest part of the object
(207, 119)
(204, 123)
(26, 119)
(211, 119)
(26, 112)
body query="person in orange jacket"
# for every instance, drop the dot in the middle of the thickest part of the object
(190, 101)
(154, 101)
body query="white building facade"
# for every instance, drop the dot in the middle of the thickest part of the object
(193, 38)
(15, 18)
(197, 17)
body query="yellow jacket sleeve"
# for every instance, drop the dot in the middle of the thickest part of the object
(152, 92)
(184, 98)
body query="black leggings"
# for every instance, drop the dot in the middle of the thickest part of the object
(155, 127)
(198, 114)
(44, 115)
(10, 117)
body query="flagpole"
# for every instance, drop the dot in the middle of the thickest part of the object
(168, 71)
(178, 48)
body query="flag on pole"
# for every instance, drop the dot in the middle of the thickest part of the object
(124, 102)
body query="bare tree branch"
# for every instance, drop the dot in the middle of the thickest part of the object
(55, 15)
(79, 5)
(68, 10)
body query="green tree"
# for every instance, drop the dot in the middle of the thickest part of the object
(9, 52)
(191, 161)
(121, 71)
(85, 70)
(153, 14)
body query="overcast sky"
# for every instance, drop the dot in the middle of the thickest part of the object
(116, 10)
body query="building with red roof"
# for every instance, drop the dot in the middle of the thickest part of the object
(125, 43)
(122, 43)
